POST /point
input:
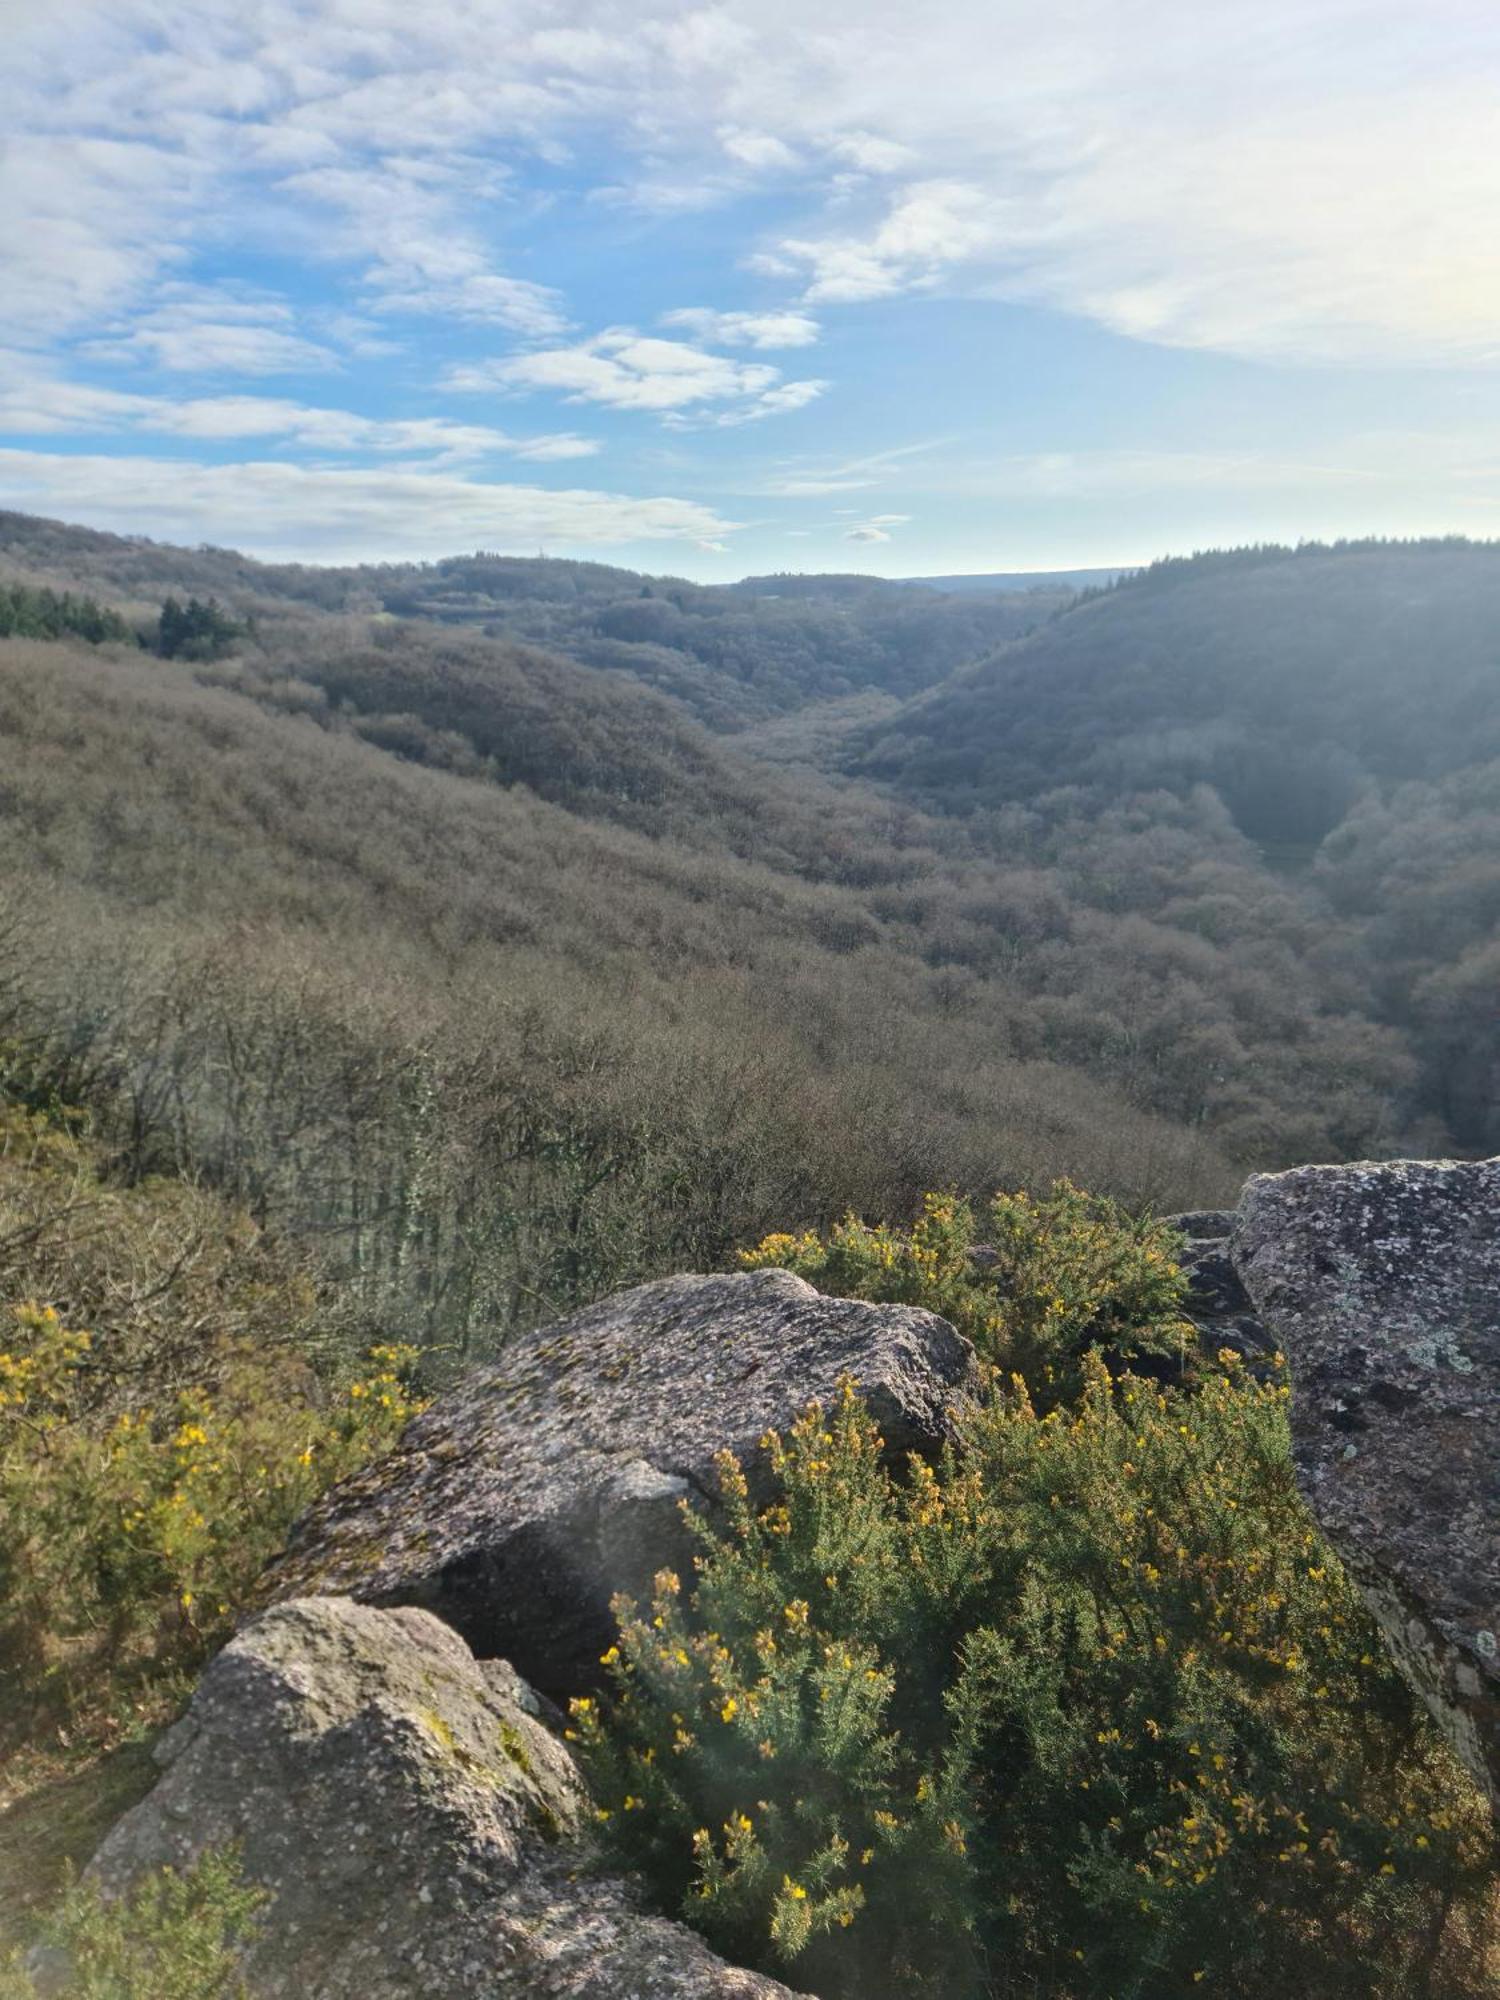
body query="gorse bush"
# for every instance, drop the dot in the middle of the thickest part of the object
(175, 1936)
(175, 1387)
(1086, 1710)
(1054, 1275)
(144, 1529)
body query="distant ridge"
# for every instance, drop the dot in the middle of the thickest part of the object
(1022, 579)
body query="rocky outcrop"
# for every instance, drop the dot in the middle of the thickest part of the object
(1382, 1285)
(415, 1825)
(1216, 1301)
(524, 1497)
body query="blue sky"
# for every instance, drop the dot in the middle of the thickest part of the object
(728, 289)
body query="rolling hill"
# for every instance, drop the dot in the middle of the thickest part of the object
(506, 972)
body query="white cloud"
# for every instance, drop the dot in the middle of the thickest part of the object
(314, 514)
(190, 344)
(665, 195)
(398, 214)
(85, 224)
(745, 329)
(872, 154)
(777, 402)
(794, 488)
(760, 150)
(874, 528)
(33, 403)
(626, 370)
(1288, 183)
(928, 229)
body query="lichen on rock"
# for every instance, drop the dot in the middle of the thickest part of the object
(532, 1491)
(419, 1831)
(1382, 1284)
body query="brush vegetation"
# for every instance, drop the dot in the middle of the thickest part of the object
(1086, 1710)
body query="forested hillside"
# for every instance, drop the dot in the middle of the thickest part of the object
(1339, 706)
(1292, 681)
(732, 655)
(509, 971)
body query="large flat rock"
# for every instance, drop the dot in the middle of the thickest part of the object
(523, 1498)
(1382, 1284)
(416, 1827)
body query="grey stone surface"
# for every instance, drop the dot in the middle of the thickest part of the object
(1216, 1301)
(533, 1490)
(416, 1826)
(1211, 1223)
(1382, 1285)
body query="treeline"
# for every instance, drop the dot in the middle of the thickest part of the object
(1292, 682)
(196, 630)
(735, 654)
(27, 613)
(731, 655)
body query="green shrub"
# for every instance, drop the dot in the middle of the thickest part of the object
(173, 1937)
(1085, 1711)
(1052, 1278)
(144, 1528)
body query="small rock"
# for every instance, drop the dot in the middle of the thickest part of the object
(471, 1882)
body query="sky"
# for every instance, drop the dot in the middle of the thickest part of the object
(718, 290)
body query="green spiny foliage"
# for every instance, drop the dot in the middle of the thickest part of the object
(1087, 1710)
(1053, 1277)
(172, 1396)
(148, 1528)
(175, 1936)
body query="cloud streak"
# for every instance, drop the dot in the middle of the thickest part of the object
(34, 403)
(304, 513)
(745, 329)
(626, 370)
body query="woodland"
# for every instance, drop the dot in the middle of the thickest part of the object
(394, 957)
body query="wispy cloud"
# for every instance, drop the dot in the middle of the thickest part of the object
(761, 150)
(399, 214)
(745, 329)
(877, 528)
(799, 480)
(36, 403)
(626, 370)
(1289, 184)
(312, 513)
(1241, 182)
(216, 335)
(929, 229)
